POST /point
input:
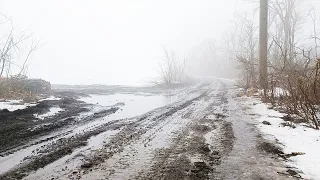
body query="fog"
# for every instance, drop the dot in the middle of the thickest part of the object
(159, 89)
(113, 42)
(121, 42)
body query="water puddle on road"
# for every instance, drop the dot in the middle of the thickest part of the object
(130, 104)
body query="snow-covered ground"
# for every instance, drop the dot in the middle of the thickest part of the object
(51, 98)
(52, 111)
(300, 139)
(13, 105)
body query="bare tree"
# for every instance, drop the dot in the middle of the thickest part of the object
(14, 57)
(242, 47)
(172, 69)
(285, 23)
(10, 46)
(294, 66)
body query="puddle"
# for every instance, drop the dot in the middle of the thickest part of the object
(131, 105)
(134, 104)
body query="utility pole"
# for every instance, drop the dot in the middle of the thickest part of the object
(263, 45)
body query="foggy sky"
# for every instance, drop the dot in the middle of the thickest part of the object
(114, 41)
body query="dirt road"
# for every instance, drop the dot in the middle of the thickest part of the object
(206, 134)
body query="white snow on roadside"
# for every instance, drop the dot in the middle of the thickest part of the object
(299, 139)
(13, 105)
(52, 111)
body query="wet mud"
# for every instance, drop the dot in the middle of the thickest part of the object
(201, 136)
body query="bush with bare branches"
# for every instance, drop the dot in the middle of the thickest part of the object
(172, 70)
(294, 66)
(10, 49)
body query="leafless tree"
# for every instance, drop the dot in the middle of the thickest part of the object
(242, 47)
(294, 66)
(10, 46)
(285, 23)
(15, 52)
(172, 69)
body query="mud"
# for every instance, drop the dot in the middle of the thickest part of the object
(133, 131)
(61, 148)
(201, 136)
(17, 127)
(189, 157)
(21, 129)
(270, 148)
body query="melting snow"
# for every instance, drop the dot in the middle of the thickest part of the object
(51, 98)
(52, 111)
(299, 139)
(13, 105)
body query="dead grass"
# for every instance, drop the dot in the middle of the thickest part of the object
(12, 88)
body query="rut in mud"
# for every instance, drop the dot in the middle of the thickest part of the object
(199, 136)
(20, 126)
(158, 143)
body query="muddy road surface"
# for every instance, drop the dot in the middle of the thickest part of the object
(202, 132)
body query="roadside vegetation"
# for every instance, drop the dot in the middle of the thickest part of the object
(16, 48)
(172, 70)
(293, 57)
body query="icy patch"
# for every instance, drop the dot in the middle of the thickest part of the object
(299, 139)
(52, 111)
(13, 105)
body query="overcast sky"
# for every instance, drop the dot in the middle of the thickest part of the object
(114, 41)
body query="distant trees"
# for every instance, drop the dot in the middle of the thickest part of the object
(172, 69)
(285, 24)
(242, 45)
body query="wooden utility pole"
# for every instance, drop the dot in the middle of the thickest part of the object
(263, 47)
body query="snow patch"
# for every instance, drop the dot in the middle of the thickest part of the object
(299, 139)
(52, 111)
(279, 92)
(13, 105)
(51, 98)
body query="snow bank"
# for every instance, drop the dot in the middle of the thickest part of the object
(52, 111)
(13, 105)
(299, 139)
